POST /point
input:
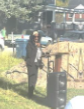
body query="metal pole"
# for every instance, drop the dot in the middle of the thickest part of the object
(13, 42)
(54, 2)
(64, 21)
(73, 20)
(53, 16)
(64, 17)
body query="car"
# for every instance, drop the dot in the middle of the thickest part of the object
(74, 36)
(1, 42)
(10, 40)
(45, 40)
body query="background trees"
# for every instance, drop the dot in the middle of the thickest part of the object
(23, 9)
(63, 3)
(11, 10)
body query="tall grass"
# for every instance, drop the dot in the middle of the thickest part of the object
(7, 60)
(15, 95)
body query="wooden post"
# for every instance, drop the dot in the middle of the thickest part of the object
(58, 61)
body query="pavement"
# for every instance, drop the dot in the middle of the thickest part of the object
(9, 49)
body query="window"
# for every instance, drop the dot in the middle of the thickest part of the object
(70, 15)
(80, 15)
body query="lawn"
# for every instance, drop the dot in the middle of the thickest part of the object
(15, 95)
(74, 92)
(7, 61)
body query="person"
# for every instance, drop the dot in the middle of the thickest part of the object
(33, 61)
(76, 103)
(1, 42)
(3, 32)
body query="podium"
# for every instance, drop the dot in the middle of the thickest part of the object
(58, 61)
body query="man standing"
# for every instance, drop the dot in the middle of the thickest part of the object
(33, 57)
(3, 32)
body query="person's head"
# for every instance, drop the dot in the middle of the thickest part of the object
(36, 36)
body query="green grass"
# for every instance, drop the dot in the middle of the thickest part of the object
(15, 95)
(74, 92)
(7, 61)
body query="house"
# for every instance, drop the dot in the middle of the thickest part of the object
(75, 18)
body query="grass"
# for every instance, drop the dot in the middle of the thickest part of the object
(15, 95)
(7, 61)
(74, 92)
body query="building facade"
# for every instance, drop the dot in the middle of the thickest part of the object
(75, 18)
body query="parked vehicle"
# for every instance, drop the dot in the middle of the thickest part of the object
(45, 40)
(75, 35)
(10, 40)
(1, 42)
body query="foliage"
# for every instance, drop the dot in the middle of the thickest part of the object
(63, 3)
(24, 9)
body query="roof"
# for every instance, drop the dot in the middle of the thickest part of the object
(75, 3)
(79, 7)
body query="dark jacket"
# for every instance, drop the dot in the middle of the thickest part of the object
(31, 50)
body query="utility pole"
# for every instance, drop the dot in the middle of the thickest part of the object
(54, 2)
(53, 17)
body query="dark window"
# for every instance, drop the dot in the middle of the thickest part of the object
(70, 15)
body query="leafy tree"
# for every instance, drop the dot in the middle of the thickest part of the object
(63, 0)
(10, 10)
(23, 9)
(63, 3)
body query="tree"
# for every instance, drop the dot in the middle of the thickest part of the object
(63, 3)
(64, 0)
(23, 9)
(10, 10)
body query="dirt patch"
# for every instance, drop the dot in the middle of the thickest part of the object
(19, 74)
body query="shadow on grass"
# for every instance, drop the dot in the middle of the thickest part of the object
(41, 100)
(22, 89)
(18, 88)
